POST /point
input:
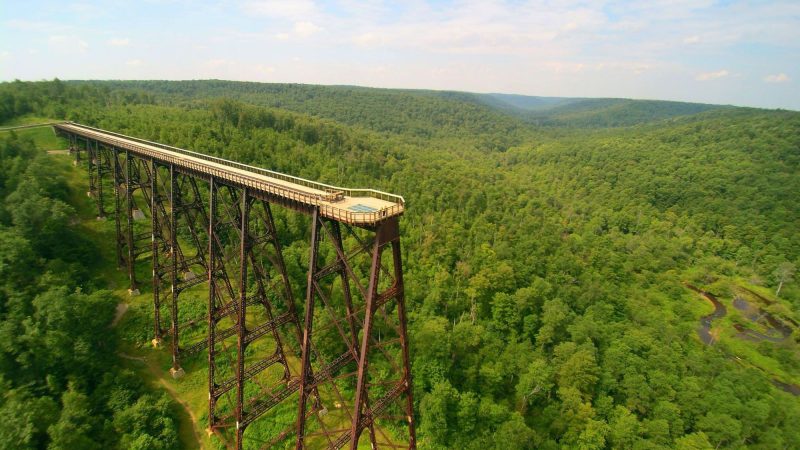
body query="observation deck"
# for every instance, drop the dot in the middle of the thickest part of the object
(360, 207)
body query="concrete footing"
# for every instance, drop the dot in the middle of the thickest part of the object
(133, 292)
(137, 214)
(177, 373)
(189, 275)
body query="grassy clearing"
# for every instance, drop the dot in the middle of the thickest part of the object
(26, 120)
(43, 137)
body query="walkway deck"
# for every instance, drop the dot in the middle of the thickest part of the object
(363, 207)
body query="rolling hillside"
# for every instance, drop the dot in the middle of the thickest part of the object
(549, 249)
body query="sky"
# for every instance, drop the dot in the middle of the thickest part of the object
(724, 52)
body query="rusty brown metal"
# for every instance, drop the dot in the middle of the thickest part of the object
(233, 213)
(212, 302)
(378, 300)
(118, 183)
(308, 323)
(129, 203)
(157, 242)
(353, 332)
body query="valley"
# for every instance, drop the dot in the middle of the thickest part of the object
(546, 247)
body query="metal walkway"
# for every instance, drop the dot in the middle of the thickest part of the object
(351, 206)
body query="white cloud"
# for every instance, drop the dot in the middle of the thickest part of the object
(282, 36)
(561, 67)
(779, 78)
(608, 66)
(264, 70)
(708, 76)
(305, 29)
(286, 9)
(691, 40)
(67, 44)
(133, 63)
(119, 42)
(528, 30)
(84, 9)
(217, 63)
(35, 26)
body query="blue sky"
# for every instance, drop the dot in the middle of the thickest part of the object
(728, 52)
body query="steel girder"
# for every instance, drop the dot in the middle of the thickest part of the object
(356, 328)
(257, 312)
(261, 358)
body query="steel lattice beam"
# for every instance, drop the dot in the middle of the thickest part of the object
(205, 229)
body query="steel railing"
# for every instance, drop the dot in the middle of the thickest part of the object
(326, 193)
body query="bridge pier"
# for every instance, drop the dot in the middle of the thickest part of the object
(131, 258)
(376, 300)
(354, 315)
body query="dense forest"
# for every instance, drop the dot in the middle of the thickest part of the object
(551, 248)
(62, 388)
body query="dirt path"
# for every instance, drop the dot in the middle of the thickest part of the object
(122, 308)
(132, 358)
(174, 394)
(156, 373)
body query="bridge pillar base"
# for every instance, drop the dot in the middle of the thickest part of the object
(177, 372)
(137, 214)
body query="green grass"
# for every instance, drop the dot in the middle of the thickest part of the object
(27, 120)
(43, 137)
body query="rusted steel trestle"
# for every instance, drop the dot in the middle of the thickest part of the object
(221, 284)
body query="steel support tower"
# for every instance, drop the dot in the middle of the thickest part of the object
(319, 360)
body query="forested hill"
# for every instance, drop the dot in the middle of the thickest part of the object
(518, 104)
(613, 112)
(547, 266)
(422, 113)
